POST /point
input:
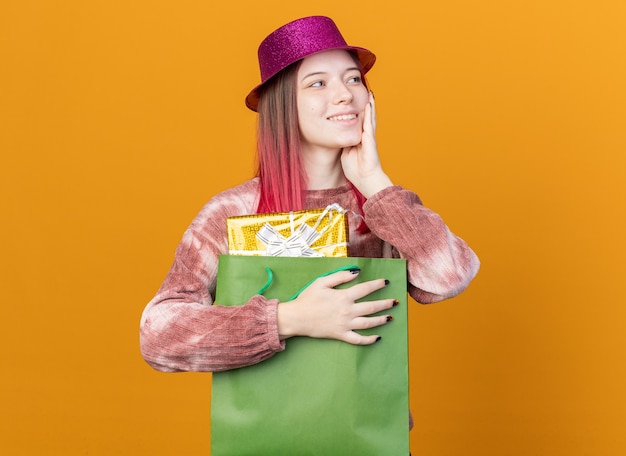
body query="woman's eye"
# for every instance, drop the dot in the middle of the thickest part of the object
(355, 79)
(317, 84)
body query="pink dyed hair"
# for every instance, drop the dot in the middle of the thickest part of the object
(280, 169)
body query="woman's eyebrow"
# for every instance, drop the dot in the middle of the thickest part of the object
(317, 73)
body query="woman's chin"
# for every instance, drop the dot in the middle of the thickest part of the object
(348, 143)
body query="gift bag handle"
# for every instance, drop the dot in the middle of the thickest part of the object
(270, 279)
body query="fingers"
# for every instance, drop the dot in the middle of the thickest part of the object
(369, 121)
(371, 322)
(372, 307)
(333, 280)
(363, 322)
(372, 110)
(338, 313)
(360, 290)
(357, 291)
(357, 339)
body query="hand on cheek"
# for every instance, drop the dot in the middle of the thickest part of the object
(361, 163)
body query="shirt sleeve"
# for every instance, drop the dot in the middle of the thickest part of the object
(440, 264)
(181, 329)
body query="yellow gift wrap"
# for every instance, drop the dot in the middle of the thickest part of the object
(309, 233)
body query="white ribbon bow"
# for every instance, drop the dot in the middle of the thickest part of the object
(298, 244)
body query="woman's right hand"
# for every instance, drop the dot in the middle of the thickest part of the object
(323, 312)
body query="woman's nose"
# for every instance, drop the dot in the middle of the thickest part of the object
(343, 95)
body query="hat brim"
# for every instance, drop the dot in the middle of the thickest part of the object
(365, 56)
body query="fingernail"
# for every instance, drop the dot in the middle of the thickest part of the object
(389, 318)
(395, 302)
(354, 270)
(386, 282)
(378, 339)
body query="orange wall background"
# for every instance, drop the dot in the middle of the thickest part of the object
(119, 119)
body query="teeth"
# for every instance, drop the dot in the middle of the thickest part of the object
(343, 117)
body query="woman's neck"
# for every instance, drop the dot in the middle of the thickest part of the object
(323, 170)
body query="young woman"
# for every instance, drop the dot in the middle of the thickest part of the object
(316, 146)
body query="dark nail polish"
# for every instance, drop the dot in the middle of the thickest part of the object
(389, 318)
(354, 270)
(395, 302)
(386, 282)
(378, 339)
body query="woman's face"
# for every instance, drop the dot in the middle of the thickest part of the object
(331, 100)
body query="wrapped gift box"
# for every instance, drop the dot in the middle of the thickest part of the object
(308, 233)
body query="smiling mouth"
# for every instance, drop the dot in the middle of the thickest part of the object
(343, 117)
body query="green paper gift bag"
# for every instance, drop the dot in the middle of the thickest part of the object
(319, 396)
